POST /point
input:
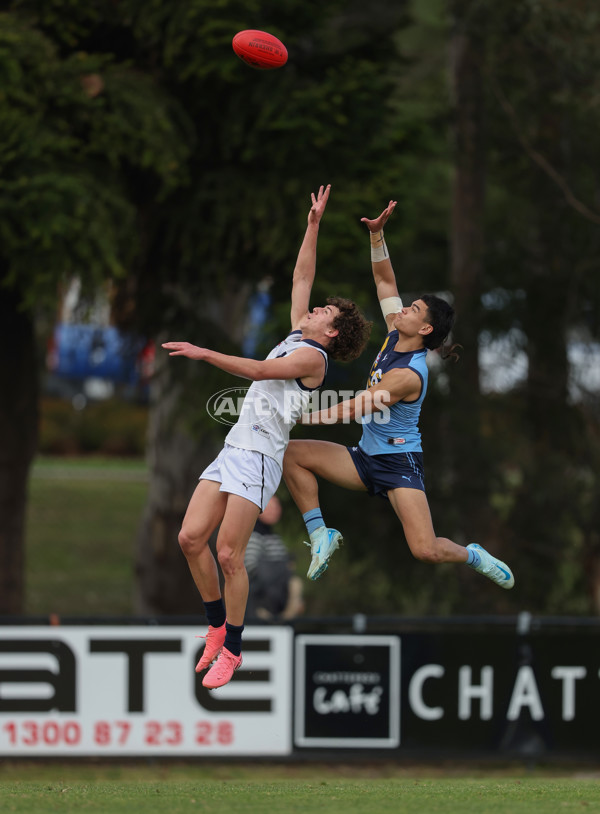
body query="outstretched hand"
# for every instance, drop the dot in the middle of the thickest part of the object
(318, 204)
(378, 223)
(184, 349)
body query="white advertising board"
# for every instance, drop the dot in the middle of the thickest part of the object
(132, 690)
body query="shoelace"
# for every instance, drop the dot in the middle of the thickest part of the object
(226, 660)
(310, 545)
(210, 633)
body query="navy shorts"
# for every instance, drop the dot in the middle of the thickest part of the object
(380, 473)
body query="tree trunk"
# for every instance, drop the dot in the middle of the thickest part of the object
(177, 454)
(467, 241)
(468, 199)
(18, 440)
(546, 328)
(164, 585)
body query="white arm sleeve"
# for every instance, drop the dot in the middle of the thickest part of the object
(390, 305)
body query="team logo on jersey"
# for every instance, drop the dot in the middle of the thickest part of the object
(376, 362)
(375, 378)
(237, 405)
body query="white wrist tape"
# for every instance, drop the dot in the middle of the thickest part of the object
(390, 305)
(379, 250)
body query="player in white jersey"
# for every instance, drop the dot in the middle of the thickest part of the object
(273, 406)
(237, 486)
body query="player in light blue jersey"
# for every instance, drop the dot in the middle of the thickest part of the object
(388, 459)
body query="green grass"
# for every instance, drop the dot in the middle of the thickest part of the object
(51, 463)
(82, 520)
(285, 790)
(83, 516)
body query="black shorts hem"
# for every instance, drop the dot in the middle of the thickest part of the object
(380, 473)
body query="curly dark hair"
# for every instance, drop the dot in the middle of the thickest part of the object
(354, 330)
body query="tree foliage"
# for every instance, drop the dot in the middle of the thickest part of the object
(68, 206)
(135, 147)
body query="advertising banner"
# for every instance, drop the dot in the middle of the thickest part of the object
(347, 691)
(498, 692)
(449, 692)
(133, 691)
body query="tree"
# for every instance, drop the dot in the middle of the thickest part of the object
(540, 79)
(74, 129)
(532, 56)
(469, 34)
(136, 146)
(122, 137)
(278, 136)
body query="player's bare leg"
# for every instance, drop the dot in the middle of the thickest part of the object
(236, 527)
(412, 508)
(204, 513)
(305, 460)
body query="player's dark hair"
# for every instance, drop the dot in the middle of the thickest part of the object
(440, 315)
(353, 330)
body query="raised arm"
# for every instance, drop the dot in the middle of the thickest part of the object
(383, 273)
(307, 364)
(306, 264)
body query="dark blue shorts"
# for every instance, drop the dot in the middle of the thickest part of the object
(380, 473)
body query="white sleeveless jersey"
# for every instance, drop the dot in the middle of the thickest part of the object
(272, 407)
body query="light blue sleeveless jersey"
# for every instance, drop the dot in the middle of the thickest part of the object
(401, 432)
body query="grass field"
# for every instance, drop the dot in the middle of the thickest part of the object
(82, 518)
(284, 790)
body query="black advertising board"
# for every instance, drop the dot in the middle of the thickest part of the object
(453, 693)
(346, 691)
(498, 692)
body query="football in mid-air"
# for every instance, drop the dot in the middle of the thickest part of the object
(260, 49)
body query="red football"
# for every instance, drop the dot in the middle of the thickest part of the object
(260, 49)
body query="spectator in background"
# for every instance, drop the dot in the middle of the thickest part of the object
(275, 590)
